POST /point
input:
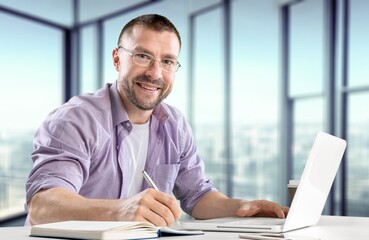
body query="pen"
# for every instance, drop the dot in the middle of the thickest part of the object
(152, 184)
(149, 180)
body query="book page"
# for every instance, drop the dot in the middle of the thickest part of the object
(95, 230)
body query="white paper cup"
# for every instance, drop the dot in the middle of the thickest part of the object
(292, 187)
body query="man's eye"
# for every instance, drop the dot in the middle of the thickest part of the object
(168, 62)
(143, 56)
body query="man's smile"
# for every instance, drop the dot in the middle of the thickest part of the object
(149, 87)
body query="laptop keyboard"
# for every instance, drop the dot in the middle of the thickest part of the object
(259, 221)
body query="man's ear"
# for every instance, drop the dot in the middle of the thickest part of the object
(115, 59)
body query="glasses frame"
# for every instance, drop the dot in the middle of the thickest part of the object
(153, 59)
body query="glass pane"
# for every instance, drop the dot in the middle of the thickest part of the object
(196, 5)
(31, 86)
(209, 94)
(308, 121)
(255, 98)
(358, 43)
(306, 48)
(89, 81)
(59, 12)
(92, 9)
(358, 156)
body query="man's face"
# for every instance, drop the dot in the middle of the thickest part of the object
(145, 87)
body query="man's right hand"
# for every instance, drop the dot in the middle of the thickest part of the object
(150, 205)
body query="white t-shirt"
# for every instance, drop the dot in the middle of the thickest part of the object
(135, 151)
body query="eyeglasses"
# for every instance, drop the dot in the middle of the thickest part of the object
(146, 60)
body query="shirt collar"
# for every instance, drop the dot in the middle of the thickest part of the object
(161, 112)
(117, 108)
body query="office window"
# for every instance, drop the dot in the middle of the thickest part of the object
(308, 120)
(89, 81)
(315, 115)
(358, 156)
(59, 12)
(197, 6)
(306, 78)
(254, 99)
(93, 9)
(358, 43)
(209, 94)
(306, 48)
(31, 87)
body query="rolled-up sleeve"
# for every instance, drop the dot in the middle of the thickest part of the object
(61, 153)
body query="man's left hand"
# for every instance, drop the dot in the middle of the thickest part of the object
(262, 208)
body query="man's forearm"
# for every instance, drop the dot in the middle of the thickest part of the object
(215, 205)
(58, 204)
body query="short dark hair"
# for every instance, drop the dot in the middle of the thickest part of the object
(151, 21)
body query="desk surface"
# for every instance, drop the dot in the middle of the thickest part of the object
(328, 228)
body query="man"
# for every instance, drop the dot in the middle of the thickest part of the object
(90, 153)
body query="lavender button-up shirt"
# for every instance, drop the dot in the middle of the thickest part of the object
(78, 145)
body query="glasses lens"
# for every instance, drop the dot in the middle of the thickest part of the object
(170, 67)
(175, 67)
(142, 59)
(166, 67)
(146, 60)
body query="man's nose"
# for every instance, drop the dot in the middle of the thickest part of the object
(154, 71)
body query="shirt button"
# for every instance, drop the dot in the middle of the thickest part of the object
(128, 126)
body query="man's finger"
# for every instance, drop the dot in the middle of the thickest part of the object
(171, 203)
(248, 210)
(165, 206)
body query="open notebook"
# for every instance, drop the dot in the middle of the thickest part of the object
(309, 200)
(105, 230)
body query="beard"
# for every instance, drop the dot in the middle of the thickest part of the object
(127, 86)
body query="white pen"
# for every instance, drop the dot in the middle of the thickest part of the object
(152, 184)
(149, 180)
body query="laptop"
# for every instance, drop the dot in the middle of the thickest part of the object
(309, 200)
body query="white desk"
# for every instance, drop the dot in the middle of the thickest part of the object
(328, 228)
